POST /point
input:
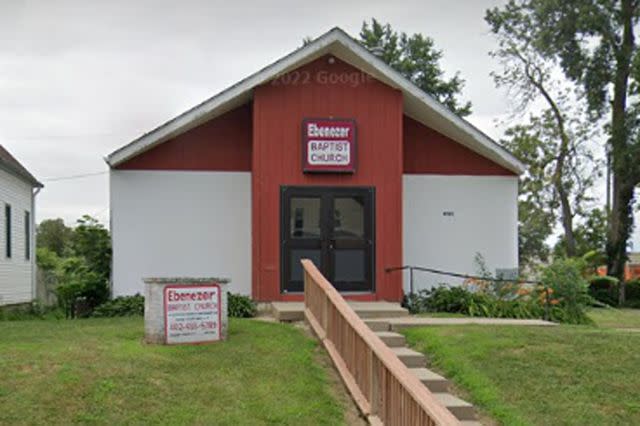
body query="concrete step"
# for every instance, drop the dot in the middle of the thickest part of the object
(377, 325)
(461, 409)
(367, 310)
(409, 357)
(391, 339)
(288, 311)
(294, 311)
(433, 381)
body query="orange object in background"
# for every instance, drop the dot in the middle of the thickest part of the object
(631, 269)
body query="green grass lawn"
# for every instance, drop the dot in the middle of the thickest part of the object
(564, 375)
(98, 371)
(442, 315)
(616, 318)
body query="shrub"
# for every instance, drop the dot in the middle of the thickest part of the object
(474, 302)
(632, 294)
(568, 291)
(28, 311)
(82, 289)
(562, 297)
(240, 306)
(604, 289)
(121, 306)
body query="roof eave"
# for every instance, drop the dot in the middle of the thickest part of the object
(19, 175)
(304, 54)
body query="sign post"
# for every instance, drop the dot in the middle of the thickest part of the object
(185, 310)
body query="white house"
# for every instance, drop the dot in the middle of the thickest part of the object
(18, 190)
(327, 154)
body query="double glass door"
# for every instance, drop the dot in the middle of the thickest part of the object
(334, 227)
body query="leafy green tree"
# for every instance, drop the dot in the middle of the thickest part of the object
(416, 58)
(556, 150)
(536, 144)
(79, 284)
(535, 226)
(590, 237)
(54, 235)
(47, 259)
(91, 241)
(594, 43)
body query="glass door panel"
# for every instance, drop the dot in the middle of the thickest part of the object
(333, 227)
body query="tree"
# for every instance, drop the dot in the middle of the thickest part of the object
(535, 226)
(54, 235)
(593, 42)
(91, 241)
(590, 238)
(536, 214)
(81, 289)
(556, 151)
(417, 59)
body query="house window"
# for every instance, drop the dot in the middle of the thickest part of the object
(7, 222)
(27, 235)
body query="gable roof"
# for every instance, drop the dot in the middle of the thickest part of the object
(417, 104)
(10, 164)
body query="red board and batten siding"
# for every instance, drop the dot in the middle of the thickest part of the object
(429, 152)
(264, 138)
(278, 111)
(221, 144)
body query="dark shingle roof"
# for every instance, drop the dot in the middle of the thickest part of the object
(8, 162)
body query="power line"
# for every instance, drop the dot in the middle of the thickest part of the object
(85, 175)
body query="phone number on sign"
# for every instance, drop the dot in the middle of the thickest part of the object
(193, 326)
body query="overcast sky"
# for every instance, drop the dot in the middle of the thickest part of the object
(78, 79)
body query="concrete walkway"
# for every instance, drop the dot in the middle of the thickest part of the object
(393, 324)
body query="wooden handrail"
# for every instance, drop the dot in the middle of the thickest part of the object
(382, 386)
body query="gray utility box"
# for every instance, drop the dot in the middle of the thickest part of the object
(185, 310)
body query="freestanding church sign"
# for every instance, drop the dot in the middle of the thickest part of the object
(185, 310)
(192, 314)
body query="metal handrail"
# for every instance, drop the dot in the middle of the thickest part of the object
(412, 268)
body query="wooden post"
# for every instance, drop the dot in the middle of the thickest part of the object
(374, 385)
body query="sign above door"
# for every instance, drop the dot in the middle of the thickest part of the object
(328, 145)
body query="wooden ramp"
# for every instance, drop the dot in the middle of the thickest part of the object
(388, 381)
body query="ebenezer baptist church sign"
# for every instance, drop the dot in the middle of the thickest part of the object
(185, 310)
(328, 145)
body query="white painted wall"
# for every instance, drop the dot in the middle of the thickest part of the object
(16, 273)
(485, 220)
(175, 223)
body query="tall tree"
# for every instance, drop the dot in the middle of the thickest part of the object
(594, 43)
(556, 149)
(91, 242)
(536, 215)
(415, 57)
(591, 237)
(54, 235)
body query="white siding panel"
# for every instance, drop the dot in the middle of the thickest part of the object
(448, 219)
(16, 285)
(175, 223)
